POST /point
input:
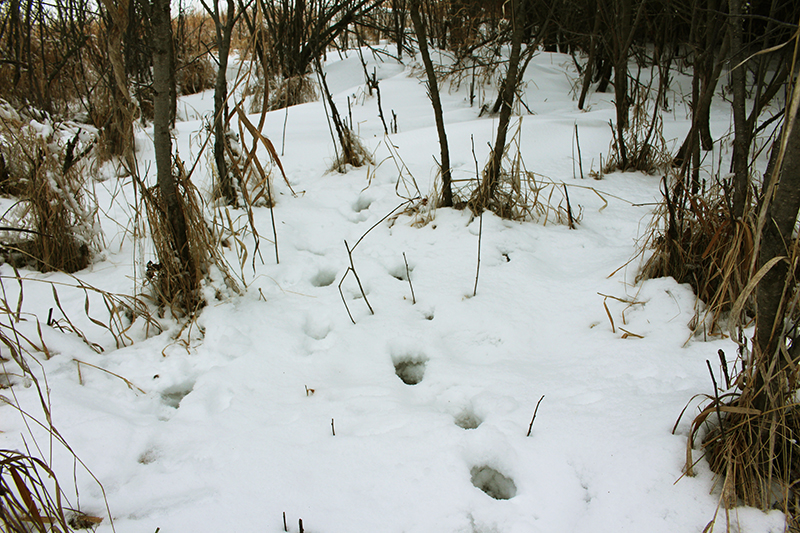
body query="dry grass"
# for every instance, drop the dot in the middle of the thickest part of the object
(646, 149)
(353, 153)
(172, 287)
(286, 92)
(749, 426)
(696, 241)
(31, 497)
(50, 228)
(195, 70)
(44, 59)
(753, 452)
(521, 194)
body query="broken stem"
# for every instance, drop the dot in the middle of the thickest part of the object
(534, 415)
(408, 277)
(478, 268)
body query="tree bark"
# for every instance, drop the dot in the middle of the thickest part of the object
(162, 78)
(776, 240)
(492, 172)
(223, 34)
(741, 140)
(433, 92)
(399, 19)
(589, 69)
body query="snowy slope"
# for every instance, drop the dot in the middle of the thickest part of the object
(227, 434)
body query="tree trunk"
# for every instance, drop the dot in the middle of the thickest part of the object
(118, 131)
(399, 19)
(223, 34)
(776, 241)
(162, 77)
(741, 140)
(588, 71)
(492, 173)
(433, 92)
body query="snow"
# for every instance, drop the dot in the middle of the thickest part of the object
(235, 420)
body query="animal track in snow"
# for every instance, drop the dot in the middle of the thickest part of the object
(468, 420)
(316, 328)
(148, 456)
(172, 396)
(410, 369)
(324, 278)
(399, 271)
(493, 483)
(361, 204)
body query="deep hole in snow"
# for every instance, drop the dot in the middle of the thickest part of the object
(410, 371)
(468, 420)
(323, 278)
(493, 482)
(174, 395)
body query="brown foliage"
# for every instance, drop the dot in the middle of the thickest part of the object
(50, 228)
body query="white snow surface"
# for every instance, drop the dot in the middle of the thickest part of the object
(235, 424)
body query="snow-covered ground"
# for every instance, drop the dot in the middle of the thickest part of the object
(235, 425)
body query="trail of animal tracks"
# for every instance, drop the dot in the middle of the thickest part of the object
(431, 397)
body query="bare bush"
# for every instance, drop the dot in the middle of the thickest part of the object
(50, 227)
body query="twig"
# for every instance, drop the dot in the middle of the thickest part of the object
(724, 368)
(272, 218)
(613, 329)
(630, 334)
(716, 400)
(478, 268)
(333, 432)
(578, 142)
(352, 269)
(393, 211)
(127, 382)
(569, 209)
(408, 277)
(320, 77)
(285, 527)
(534, 415)
(344, 300)
(283, 136)
(355, 274)
(374, 83)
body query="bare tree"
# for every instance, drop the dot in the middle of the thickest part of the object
(223, 25)
(433, 91)
(301, 30)
(484, 196)
(170, 203)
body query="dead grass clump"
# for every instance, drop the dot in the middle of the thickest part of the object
(32, 499)
(195, 70)
(286, 92)
(520, 194)
(173, 287)
(50, 227)
(353, 152)
(643, 146)
(695, 240)
(754, 452)
(194, 75)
